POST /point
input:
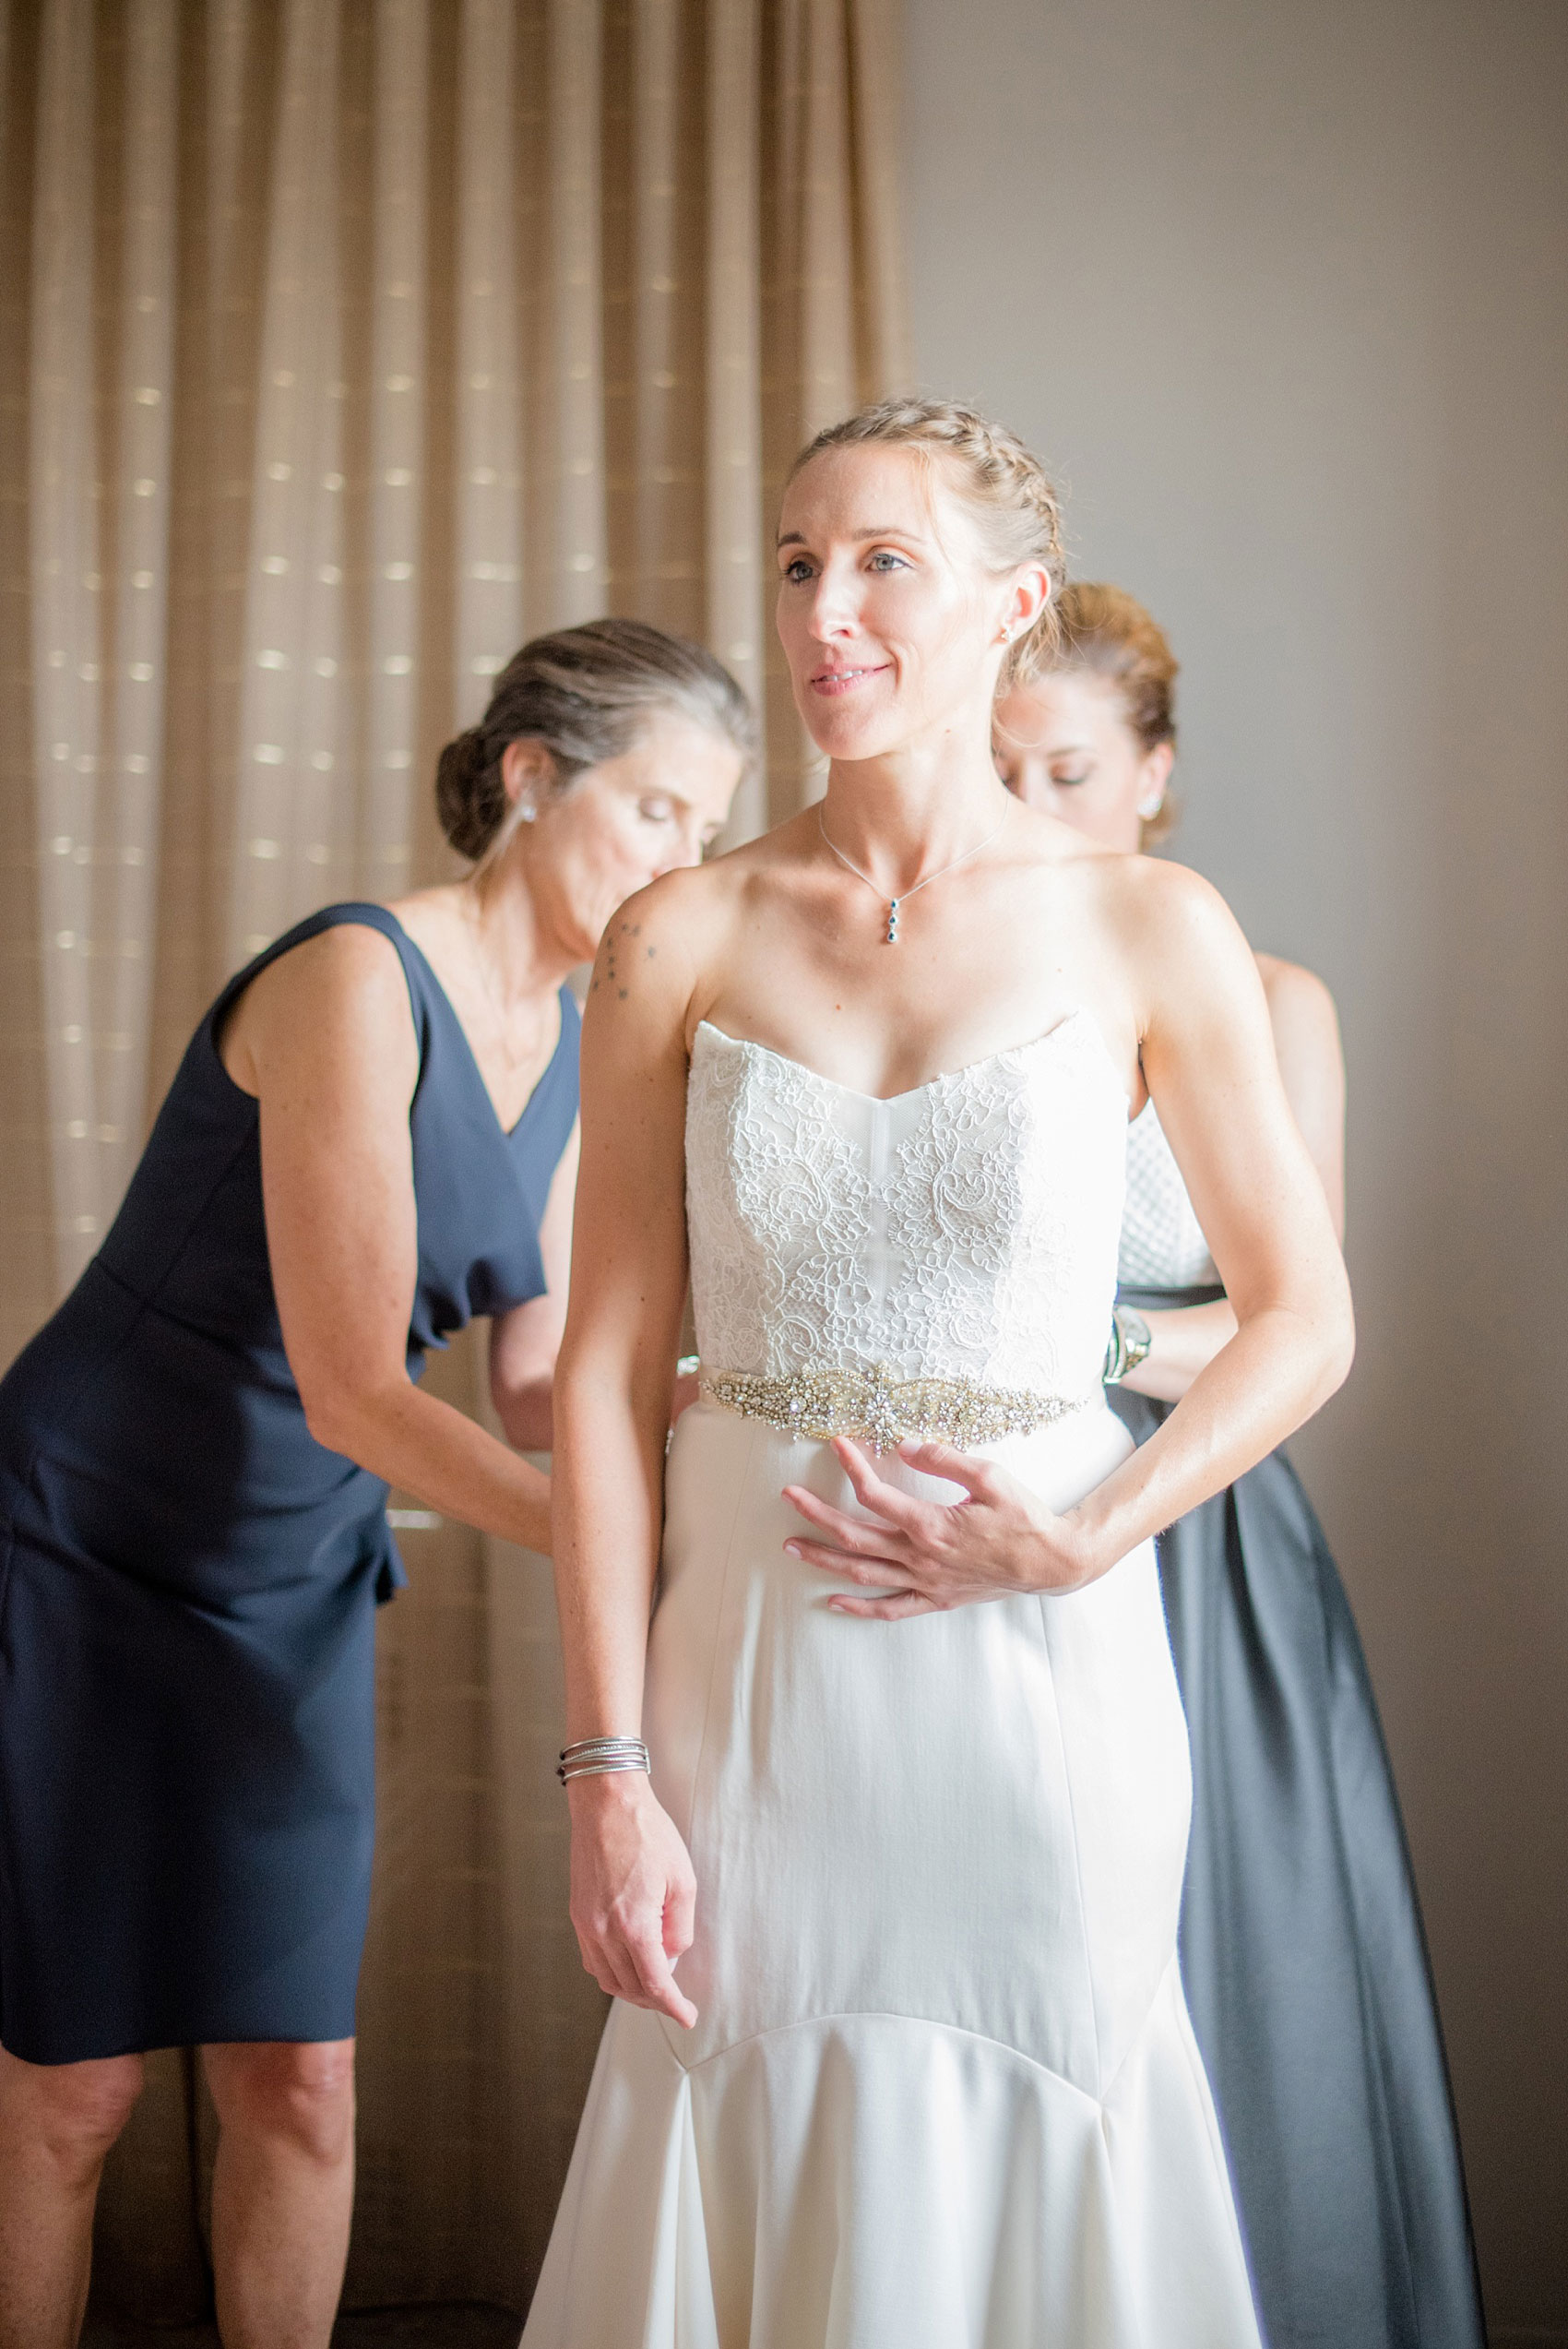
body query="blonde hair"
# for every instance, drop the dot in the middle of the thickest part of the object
(1002, 484)
(1105, 631)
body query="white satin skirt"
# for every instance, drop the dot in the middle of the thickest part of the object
(942, 2092)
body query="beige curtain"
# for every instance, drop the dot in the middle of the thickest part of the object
(342, 344)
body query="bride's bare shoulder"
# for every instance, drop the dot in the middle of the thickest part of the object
(658, 954)
(1165, 915)
(699, 903)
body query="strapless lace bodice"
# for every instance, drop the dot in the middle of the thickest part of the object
(1162, 1242)
(967, 1228)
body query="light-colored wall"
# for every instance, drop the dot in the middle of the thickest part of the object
(1280, 292)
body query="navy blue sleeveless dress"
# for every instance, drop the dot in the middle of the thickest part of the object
(188, 1580)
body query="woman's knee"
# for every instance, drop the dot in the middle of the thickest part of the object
(301, 2093)
(73, 2112)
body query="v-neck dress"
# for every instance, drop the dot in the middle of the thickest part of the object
(188, 1580)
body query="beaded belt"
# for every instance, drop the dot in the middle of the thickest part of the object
(874, 1405)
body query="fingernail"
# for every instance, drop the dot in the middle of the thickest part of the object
(793, 1549)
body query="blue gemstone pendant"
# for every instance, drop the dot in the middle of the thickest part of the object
(892, 920)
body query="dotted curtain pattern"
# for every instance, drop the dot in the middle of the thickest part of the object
(343, 344)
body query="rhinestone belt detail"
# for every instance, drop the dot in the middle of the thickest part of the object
(873, 1405)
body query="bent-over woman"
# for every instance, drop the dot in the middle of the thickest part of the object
(370, 1140)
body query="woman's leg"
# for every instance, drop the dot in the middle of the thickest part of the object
(57, 2121)
(282, 2189)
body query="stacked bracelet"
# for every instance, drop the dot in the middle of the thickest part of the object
(598, 1757)
(1131, 1339)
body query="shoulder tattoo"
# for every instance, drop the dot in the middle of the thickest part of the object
(623, 949)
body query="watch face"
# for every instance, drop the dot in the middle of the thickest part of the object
(1135, 1338)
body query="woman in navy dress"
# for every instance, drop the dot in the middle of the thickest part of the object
(370, 1140)
(1302, 1953)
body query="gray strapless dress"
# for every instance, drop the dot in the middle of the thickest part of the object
(1302, 1953)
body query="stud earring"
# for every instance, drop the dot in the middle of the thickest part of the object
(527, 811)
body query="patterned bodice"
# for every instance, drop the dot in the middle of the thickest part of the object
(968, 1227)
(1162, 1242)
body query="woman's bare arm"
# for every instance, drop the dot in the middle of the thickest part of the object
(1306, 1041)
(328, 1046)
(1312, 1066)
(633, 1892)
(1209, 1059)
(1183, 1340)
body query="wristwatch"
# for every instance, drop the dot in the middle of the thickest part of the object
(1131, 1339)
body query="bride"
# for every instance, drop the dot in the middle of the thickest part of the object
(899, 2053)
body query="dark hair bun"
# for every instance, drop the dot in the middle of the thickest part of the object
(584, 695)
(469, 797)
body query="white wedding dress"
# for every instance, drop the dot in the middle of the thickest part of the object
(943, 2092)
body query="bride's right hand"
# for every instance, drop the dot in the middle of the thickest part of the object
(633, 1895)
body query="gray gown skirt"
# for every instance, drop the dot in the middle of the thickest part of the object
(1303, 1951)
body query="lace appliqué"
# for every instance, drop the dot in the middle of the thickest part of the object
(984, 1237)
(967, 1228)
(778, 1213)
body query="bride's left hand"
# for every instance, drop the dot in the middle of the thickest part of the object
(920, 1557)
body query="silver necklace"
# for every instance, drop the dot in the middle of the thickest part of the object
(894, 903)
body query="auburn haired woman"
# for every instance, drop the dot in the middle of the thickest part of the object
(1302, 1948)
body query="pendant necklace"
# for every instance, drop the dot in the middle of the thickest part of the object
(894, 903)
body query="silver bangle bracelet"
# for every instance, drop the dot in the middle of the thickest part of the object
(598, 1769)
(597, 1756)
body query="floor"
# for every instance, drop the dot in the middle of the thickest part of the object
(472, 2324)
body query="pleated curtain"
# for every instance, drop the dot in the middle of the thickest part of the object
(344, 344)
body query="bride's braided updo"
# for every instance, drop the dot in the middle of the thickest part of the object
(1002, 484)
